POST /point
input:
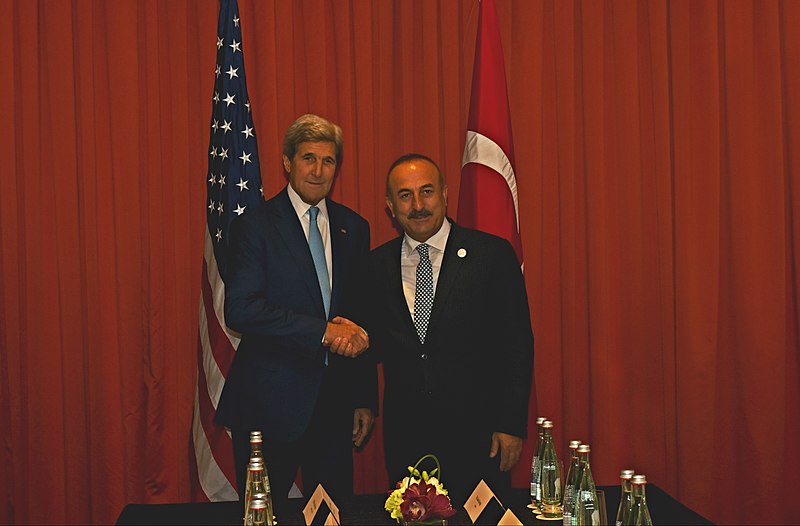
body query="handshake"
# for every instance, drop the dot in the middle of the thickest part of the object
(345, 337)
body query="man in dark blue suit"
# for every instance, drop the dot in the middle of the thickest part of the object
(290, 286)
(449, 318)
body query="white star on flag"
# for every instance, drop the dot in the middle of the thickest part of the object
(248, 131)
(245, 158)
(232, 72)
(235, 46)
(242, 184)
(239, 210)
(229, 99)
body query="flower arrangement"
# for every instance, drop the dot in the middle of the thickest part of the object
(420, 497)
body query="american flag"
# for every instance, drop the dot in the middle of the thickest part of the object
(233, 185)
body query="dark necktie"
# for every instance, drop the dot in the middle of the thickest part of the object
(423, 297)
(318, 254)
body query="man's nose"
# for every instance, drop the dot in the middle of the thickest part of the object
(417, 202)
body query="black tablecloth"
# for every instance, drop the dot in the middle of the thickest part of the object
(368, 510)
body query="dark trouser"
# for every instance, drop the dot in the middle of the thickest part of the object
(324, 453)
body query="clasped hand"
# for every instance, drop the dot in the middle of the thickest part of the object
(345, 337)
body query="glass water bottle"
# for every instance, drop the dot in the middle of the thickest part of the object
(586, 512)
(535, 471)
(257, 512)
(550, 480)
(640, 515)
(571, 481)
(255, 453)
(258, 490)
(626, 497)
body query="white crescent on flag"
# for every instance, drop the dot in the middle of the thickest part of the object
(480, 149)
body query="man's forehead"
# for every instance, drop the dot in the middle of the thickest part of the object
(412, 173)
(321, 147)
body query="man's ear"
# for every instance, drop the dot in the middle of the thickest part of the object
(390, 206)
(287, 164)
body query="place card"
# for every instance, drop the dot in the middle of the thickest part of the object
(321, 500)
(509, 519)
(480, 499)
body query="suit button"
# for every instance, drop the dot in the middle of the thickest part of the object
(424, 356)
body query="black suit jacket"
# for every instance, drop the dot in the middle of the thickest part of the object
(272, 298)
(473, 374)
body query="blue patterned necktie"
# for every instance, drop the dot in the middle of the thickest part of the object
(318, 254)
(423, 297)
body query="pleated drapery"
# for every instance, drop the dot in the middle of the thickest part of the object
(656, 147)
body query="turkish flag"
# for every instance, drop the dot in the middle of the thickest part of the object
(487, 198)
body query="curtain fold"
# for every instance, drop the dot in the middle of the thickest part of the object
(657, 161)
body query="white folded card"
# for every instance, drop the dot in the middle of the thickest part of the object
(318, 497)
(480, 498)
(509, 519)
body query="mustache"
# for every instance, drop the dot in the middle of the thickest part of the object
(419, 214)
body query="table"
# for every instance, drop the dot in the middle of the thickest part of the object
(368, 510)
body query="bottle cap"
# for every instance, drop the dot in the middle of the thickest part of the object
(639, 479)
(573, 444)
(584, 448)
(627, 474)
(258, 504)
(256, 464)
(540, 420)
(547, 424)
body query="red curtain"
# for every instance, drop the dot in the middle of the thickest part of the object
(657, 148)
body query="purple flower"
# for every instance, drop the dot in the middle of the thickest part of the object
(421, 502)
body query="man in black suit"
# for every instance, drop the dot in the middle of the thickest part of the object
(290, 284)
(450, 321)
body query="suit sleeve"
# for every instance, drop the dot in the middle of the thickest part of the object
(515, 366)
(248, 308)
(365, 386)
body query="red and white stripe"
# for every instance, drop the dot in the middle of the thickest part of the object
(213, 449)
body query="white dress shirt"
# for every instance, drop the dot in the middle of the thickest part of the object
(409, 258)
(323, 223)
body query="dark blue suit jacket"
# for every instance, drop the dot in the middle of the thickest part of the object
(272, 298)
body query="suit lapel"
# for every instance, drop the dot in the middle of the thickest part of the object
(289, 228)
(339, 237)
(448, 276)
(397, 297)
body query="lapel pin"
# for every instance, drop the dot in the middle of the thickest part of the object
(462, 252)
(343, 230)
